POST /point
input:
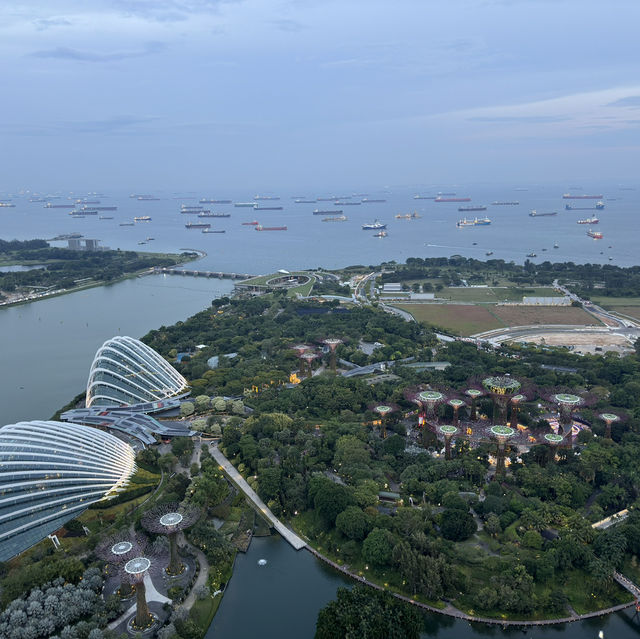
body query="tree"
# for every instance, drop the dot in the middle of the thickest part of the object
(186, 409)
(331, 500)
(203, 402)
(364, 612)
(457, 525)
(353, 523)
(492, 525)
(377, 548)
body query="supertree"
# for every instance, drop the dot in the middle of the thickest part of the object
(447, 432)
(515, 405)
(117, 549)
(308, 358)
(554, 441)
(501, 388)
(429, 400)
(474, 394)
(383, 410)
(608, 419)
(332, 343)
(567, 403)
(134, 571)
(456, 404)
(170, 519)
(502, 435)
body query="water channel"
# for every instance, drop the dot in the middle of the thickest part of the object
(46, 349)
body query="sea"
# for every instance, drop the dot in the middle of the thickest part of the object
(310, 242)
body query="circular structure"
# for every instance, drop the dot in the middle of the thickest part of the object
(474, 392)
(332, 342)
(552, 438)
(122, 548)
(383, 410)
(171, 519)
(518, 398)
(448, 430)
(567, 398)
(502, 431)
(288, 281)
(456, 403)
(609, 417)
(137, 566)
(430, 396)
(501, 384)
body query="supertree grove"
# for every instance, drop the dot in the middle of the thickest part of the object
(170, 519)
(117, 549)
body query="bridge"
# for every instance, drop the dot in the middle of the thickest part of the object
(627, 584)
(239, 481)
(193, 273)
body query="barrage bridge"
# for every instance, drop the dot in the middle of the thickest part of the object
(193, 273)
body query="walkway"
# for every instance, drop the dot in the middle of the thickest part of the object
(203, 575)
(238, 479)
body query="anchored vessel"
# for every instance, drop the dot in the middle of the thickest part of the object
(512, 203)
(535, 213)
(142, 218)
(270, 228)
(374, 226)
(452, 199)
(589, 220)
(206, 201)
(569, 196)
(197, 225)
(596, 235)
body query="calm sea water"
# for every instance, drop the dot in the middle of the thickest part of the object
(310, 242)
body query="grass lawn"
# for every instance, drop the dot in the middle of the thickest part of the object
(462, 319)
(493, 294)
(527, 315)
(612, 302)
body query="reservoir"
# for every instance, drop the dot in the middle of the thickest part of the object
(47, 346)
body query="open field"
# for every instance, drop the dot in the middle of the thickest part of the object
(528, 315)
(463, 319)
(613, 302)
(631, 311)
(494, 294)
(586, 343)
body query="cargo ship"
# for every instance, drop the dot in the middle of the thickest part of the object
(105, 208)
(213, 231)
(326, 211)
(197, 225)
(303, 201)
(194, 211)
(452, 199)
(48, 205)
(210, 214)
(205, 201)
(596, 235)
(270, 228)
(127, 224)
(147, 198)
(82, 213)
(598, 207)
(335, 218)
(484, 221)
(424, 197)
(589, 220)
(106, 217)
(142, 218)
(479, 207)
(407, 216)
(368, 200)
(267, 208)
(326, 199)
(254, 223)
(374, 226)
(244, 204)
(535, 213)
(569, 196)
(266, 197)
(343, 203)
(188, 207)
(512, 203)
(7, 205)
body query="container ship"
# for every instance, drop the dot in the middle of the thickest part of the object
(452, 199)
(484, 221)
(326, 212)
(210, 214)
(213, 231)
(599, 206)
(374, 226)
(596, 235)
(197, 225)
(267, 208)
(244, 204)
(335, 218)
(48, 205)
(303, 201)
(269, 228)
(205, 201)
(142, 218)
(266, 197)
(424, 197)
(535, 213)
(512, 203)
(368, 200)
(479, 207)
(569, 196)
(589, 220)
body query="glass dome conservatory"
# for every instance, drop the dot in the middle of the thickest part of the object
(50, 472)
(126, 371)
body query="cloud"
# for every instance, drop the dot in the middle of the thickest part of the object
(118, 124)
(529, 119)
(67, 53)
(167, 10)
(47, 23)
(629, 101)
(288, 25)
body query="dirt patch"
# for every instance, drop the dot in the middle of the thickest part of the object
(583, 342)
(530, 315)
(462, 319)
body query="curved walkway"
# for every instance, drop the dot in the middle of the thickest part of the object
(203, 575)
(239, 480)
(452, 611)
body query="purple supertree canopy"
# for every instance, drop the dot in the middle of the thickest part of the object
(170, 518)
(119, 548)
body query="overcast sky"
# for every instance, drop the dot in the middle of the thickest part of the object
(191, 94)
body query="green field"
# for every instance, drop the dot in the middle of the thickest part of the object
(461, 319)
(494, 294)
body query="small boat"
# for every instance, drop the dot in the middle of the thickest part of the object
(150, 239)
(555, 245)
(532, 254)
(380, 234)
(489, 253)
(142, 218)
(141, 242)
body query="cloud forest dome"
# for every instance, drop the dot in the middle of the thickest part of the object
(126, 371)
(52, 471)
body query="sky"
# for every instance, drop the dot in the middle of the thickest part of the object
(285, 94)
